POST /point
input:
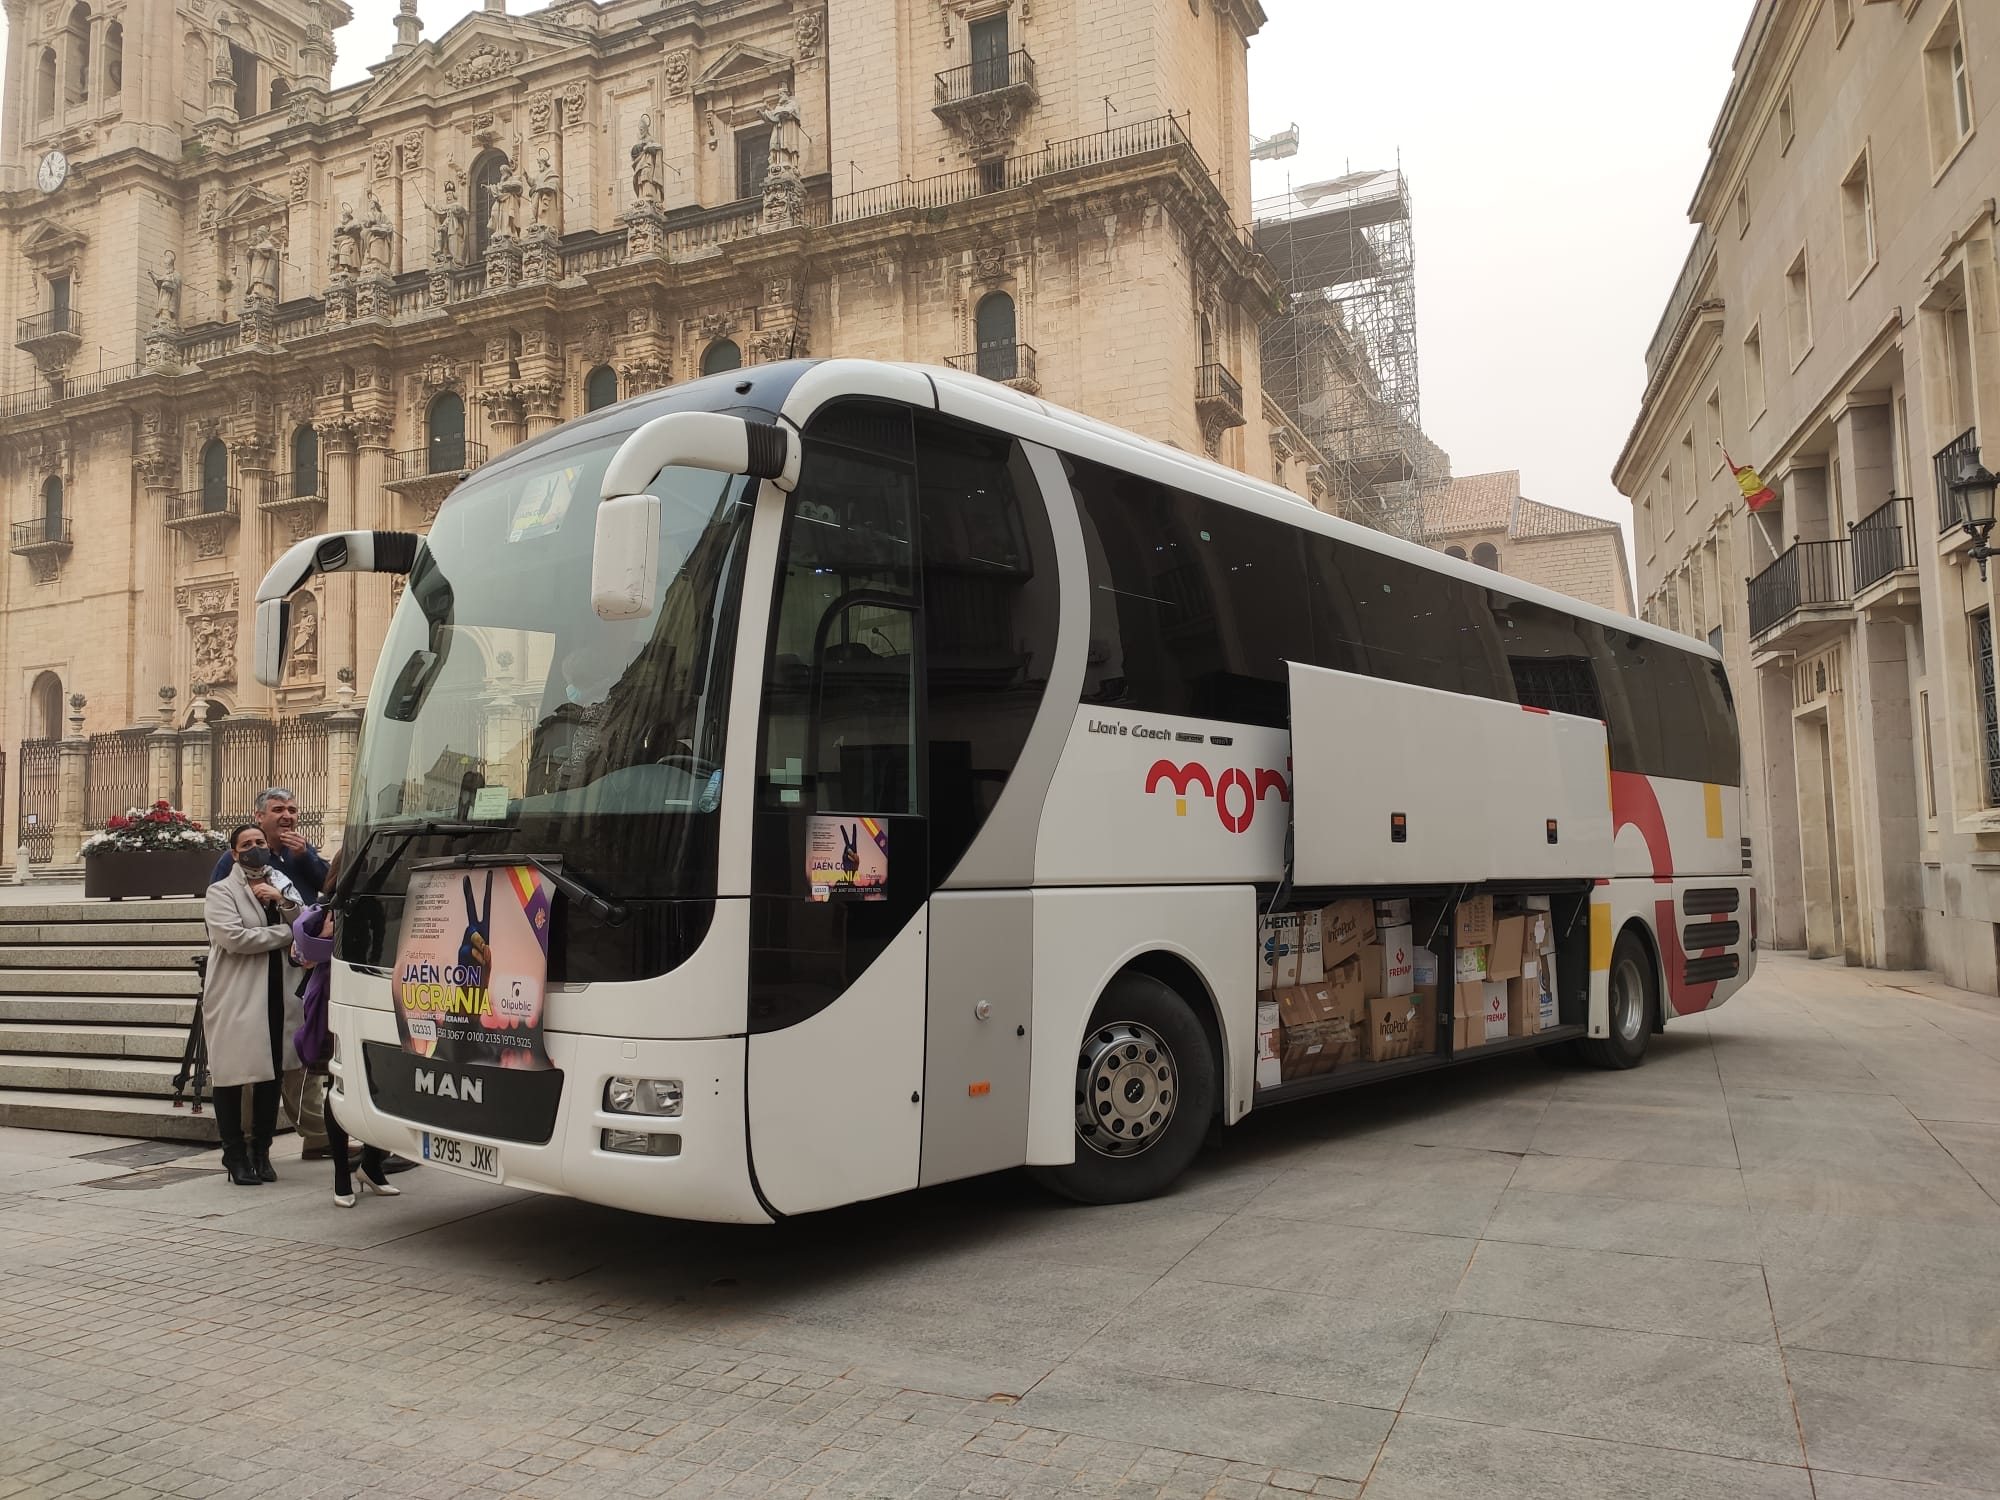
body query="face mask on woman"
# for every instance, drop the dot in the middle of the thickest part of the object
(255, 860)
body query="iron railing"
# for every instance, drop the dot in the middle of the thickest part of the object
(40, 791)
(204, 500)
(1884, 542)
(986, 75)
(65, 388)
(1213, 382)
(442, 455)
(55, 322)
(42, 531)
(1943, 469)
(998, 362)
(1806, 575)
(117, 777)
(298, 484)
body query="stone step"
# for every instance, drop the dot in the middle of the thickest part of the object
(94, 1114)
(65, 1039)
(86, 934)
(151, 1077)
(97, 956)
(173, 909)
(181, 979)
(97, 1010)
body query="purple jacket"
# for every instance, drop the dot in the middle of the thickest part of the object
(312, 1040)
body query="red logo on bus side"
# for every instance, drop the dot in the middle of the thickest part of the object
(1234, 792)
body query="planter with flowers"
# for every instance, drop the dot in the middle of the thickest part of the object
(150, 851)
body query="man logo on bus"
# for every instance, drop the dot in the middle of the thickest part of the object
(1233, 791)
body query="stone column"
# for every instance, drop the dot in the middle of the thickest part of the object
(336, 605)
(197, 764)
(374, 508)
(163, 754)
(72, 766)
(152, 556)
(343, 742)
(542, 404)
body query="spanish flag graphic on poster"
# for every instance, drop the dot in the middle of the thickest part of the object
(1756, 493)
(472, 967)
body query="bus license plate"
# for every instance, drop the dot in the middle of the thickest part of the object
(462, 1156)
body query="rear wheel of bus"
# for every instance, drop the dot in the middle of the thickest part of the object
(1145, 1091)
(1634, 1005)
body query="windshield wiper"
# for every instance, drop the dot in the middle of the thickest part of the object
(611, 913)
(430, 826)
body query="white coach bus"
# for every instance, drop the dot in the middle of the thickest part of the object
(1079, 708)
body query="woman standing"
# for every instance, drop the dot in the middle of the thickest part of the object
(249, 913)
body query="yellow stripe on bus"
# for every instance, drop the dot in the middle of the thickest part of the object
(1600, 937)
(1711, 803)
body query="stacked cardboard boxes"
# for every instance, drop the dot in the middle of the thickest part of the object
(1505, 971)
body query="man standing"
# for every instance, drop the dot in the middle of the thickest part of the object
(277, 817)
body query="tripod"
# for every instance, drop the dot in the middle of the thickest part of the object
(194, 1056)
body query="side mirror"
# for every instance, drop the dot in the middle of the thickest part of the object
(274, 628)
(625, 557)
(335, 552)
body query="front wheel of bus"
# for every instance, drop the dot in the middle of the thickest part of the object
(1634, 1000)
(1145, 1089)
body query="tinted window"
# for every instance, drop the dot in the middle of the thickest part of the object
(1668, 710)
(1194, 605)
(1391, 618)
(990, 612)
(1551, 659)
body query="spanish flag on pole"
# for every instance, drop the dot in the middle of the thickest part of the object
(1757, 493)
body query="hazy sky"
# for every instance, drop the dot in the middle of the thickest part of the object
(1551, 149)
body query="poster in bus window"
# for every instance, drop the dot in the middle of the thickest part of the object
(472, 967)
(847, 858)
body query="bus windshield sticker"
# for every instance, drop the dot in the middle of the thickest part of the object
(488, 803)
(472, 968)
(847, 858)
(542, 508)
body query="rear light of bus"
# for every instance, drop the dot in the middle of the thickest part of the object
(640, 1143)
(660, 1097)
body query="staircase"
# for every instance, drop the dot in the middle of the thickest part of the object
(95, 1000)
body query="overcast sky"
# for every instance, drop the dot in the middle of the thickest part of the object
(1551, 149)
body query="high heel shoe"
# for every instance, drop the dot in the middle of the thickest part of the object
(343, 1200)
(365, 1184)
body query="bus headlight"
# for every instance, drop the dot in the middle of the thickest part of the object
(640, 1143)
(643, 1096)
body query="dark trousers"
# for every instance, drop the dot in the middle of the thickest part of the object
(372, 1157)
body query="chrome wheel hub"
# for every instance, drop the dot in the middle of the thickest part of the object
(1628, 1001)
(1126, 1089)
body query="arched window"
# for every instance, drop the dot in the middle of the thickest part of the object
(721, 355)
(76, 83)
(600, 388)
(243, 68)
(305, 461)
(114, 59)
(993, 327)
(1457, 552)
(45, 706)
(444, 430)
(1487, 556)
(487, 171)
(1207, 341)
(214, 477)
(45, 85)
(194, 69)
(52, 508)
(280, 91)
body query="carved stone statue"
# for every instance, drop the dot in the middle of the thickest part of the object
(264, 268)
(379, 234)
(783, 118)
(504, 218)
(166, 294)
(346, 255)
(448, 245)
(647, 188)
(545, 187)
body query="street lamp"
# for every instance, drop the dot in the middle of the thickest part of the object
(1973, 488)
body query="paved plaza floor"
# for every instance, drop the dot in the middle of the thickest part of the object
(1765, 1265)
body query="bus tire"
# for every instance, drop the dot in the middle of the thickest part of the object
(1634, 1004)
(1145, 1089)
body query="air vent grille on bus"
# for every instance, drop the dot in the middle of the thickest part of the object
(1746, 854)
(1699, 935)
(1702, 901)
(1704, 970)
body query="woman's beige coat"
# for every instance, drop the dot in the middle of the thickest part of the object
(234, 1005)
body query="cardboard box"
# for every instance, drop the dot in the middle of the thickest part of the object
(1546, 1009)
(1269, 1070)
(1278, 951)
(1469, 1015)
(1468, 965)
(1474, 922)
(1541, 937)
(1496, 1008)
(1394, 912)
(1524, 1016)
(1387, 967)
(1312, 967)
(1345, 928)
(1306, 1051)
(1423, 969)
(1400, 1026)
(1296, 1007)
(1503, 958)
(1349, 995)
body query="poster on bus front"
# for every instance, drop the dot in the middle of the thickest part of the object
(472, 967)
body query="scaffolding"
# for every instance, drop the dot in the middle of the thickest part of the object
(1341, 356)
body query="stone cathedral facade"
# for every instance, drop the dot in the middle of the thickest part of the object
(249, 306)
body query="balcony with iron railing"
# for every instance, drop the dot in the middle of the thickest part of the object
(1803, 598)
(297, 495)
(1010, 364)
(58, 327)
(204, 503)
(428, 474)
(1944, 469)
(41, 535)
(1884, 552)
(1218, 396)
(985, 78)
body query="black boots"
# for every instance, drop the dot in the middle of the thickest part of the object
(236, 1162)
(260, 1162)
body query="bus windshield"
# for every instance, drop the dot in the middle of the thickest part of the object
(502, 703)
